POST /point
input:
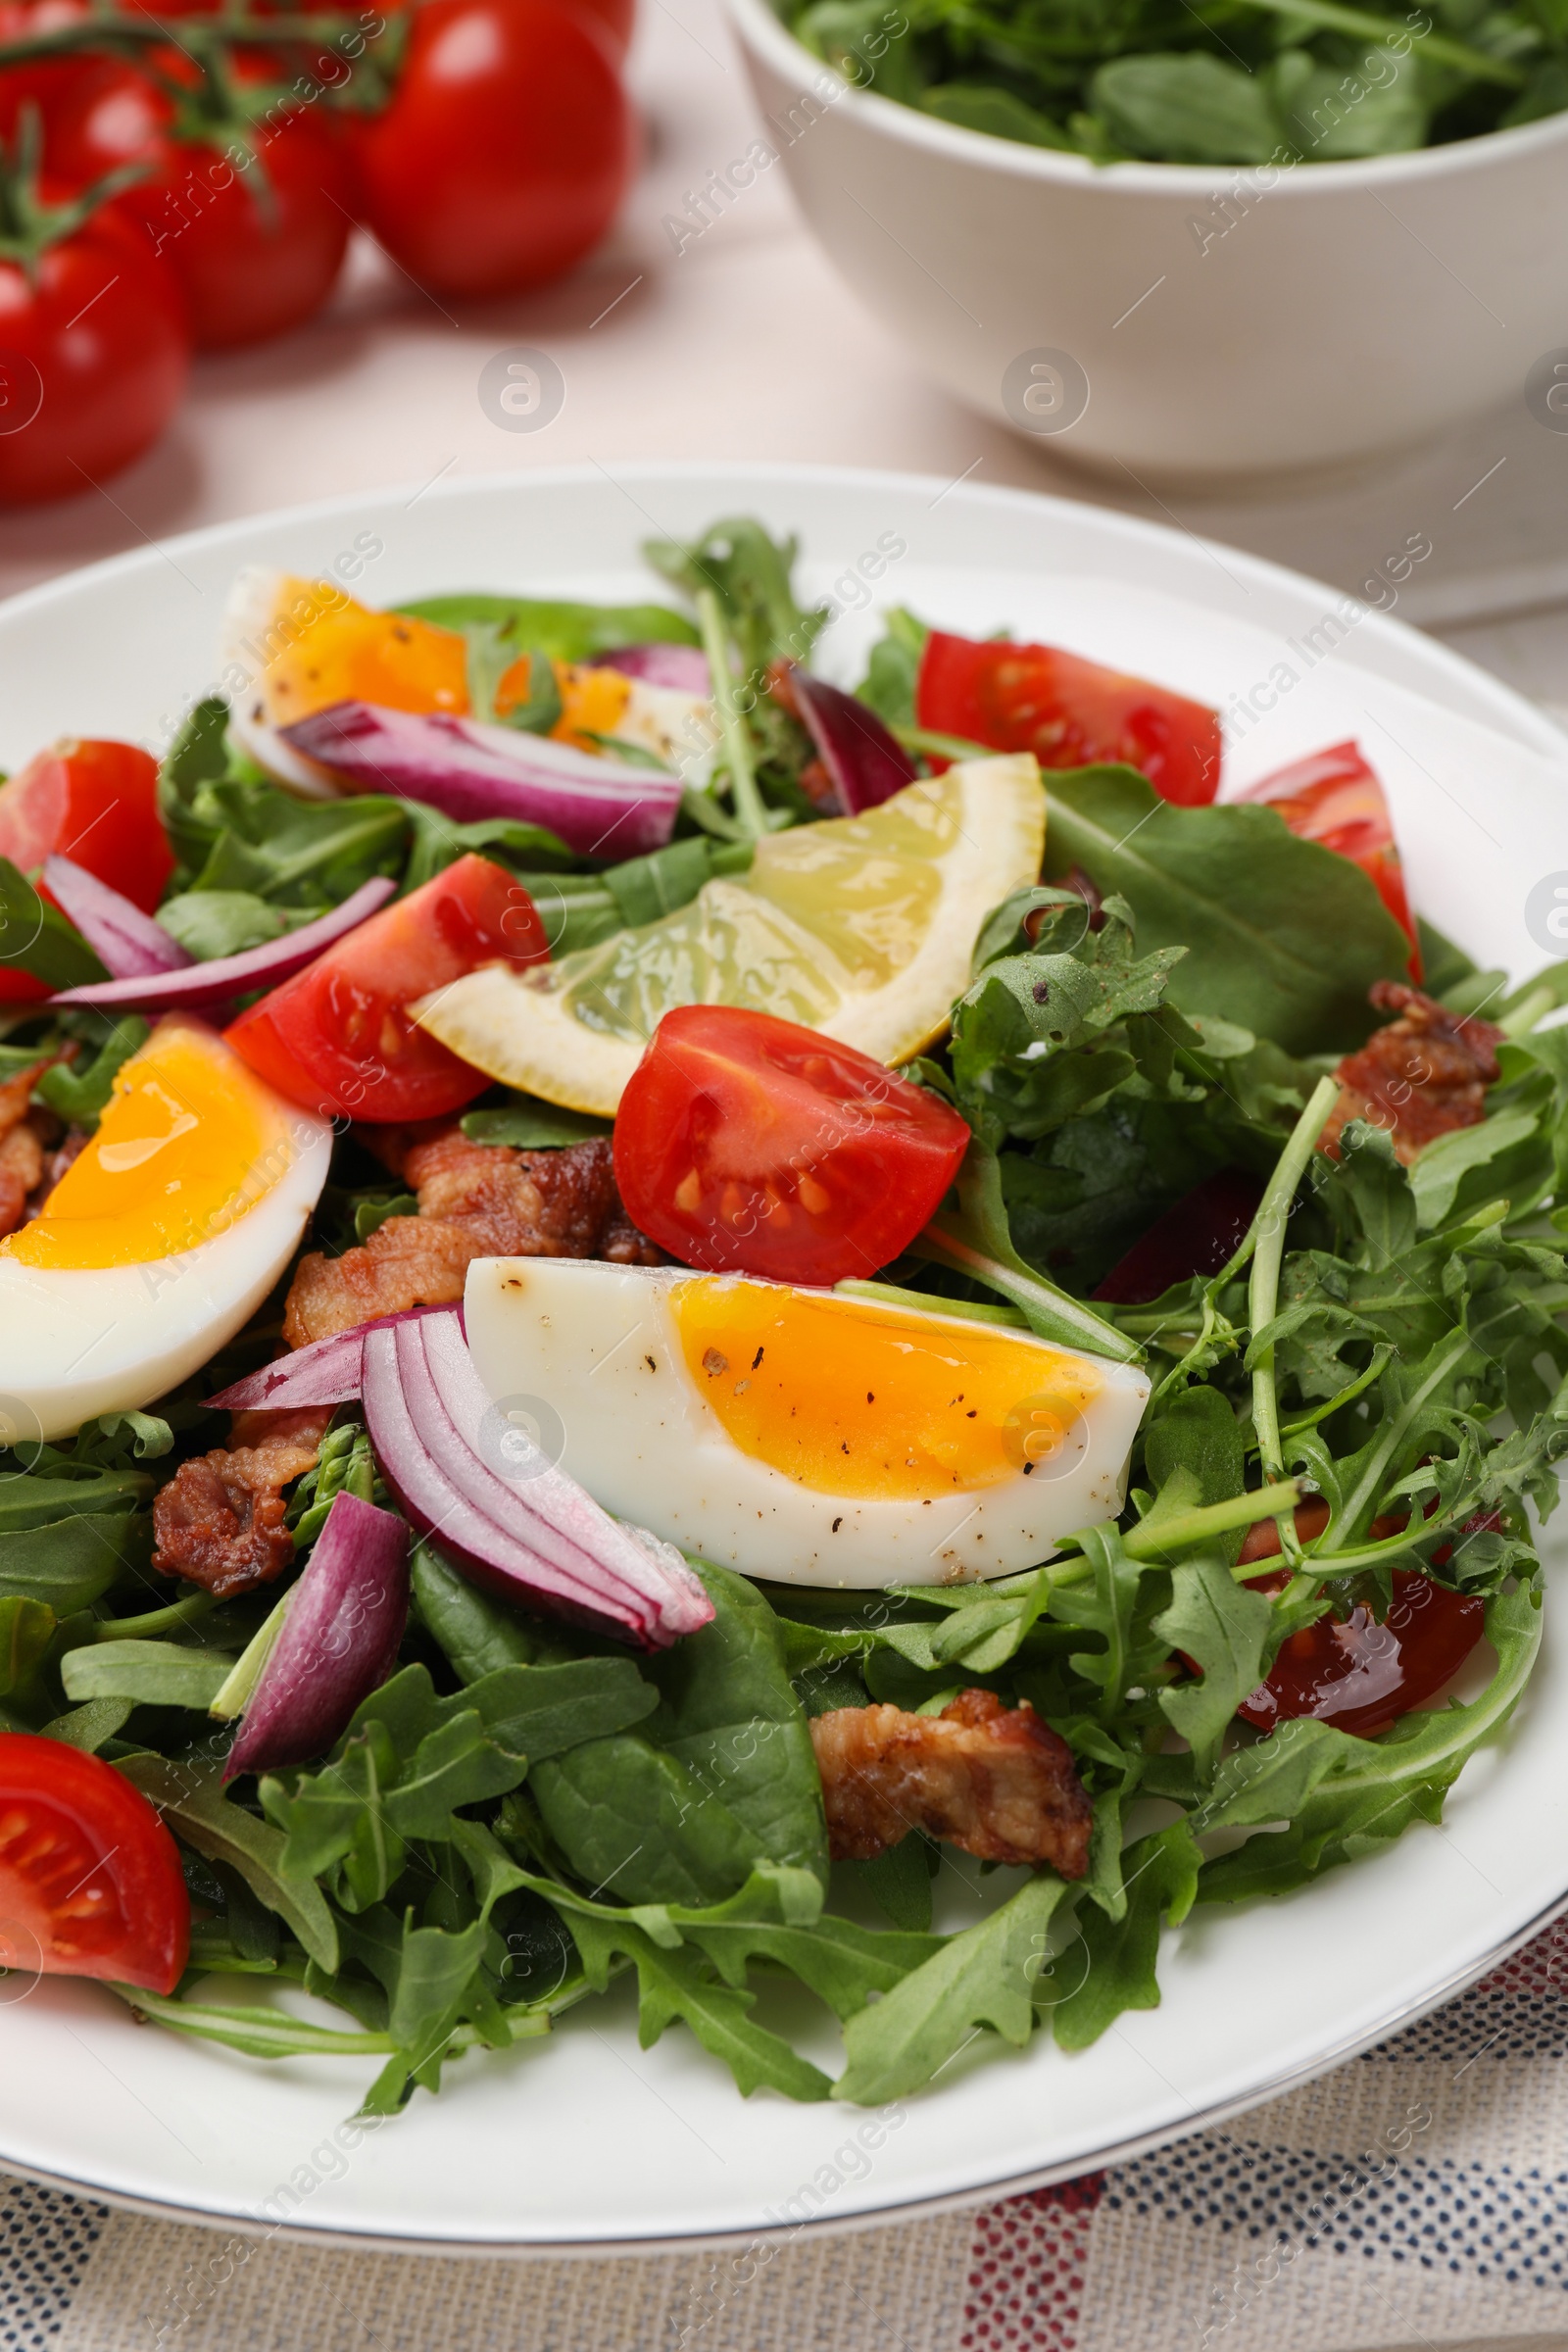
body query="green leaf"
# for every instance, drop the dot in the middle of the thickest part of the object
(1000, 114)
(193, 1794)
(477, 1633)
(985, 1976)
(70, 1562)
(1284, 937)
(893, 665)
(976, 1239)
(1194, 1456)
(524, 1125)
(1438, 1172)
(1224, 1629)
(35, 937)
(79, 1091)
(1334, 113)
(1187, 108)
(633, 1822)
(751, 574)
(26, 1630)
(843, 1964)
(1161, 1875)
(1343, 1798)
(90, 1727)
(557, 628)
(678, 1984)
(209, 924)
(899, 1880)
(151, 1674)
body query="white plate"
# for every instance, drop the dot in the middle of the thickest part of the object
(587, 2141)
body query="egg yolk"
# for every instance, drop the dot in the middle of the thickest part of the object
(189, 1141)
(593, 703)
(851, 1399)
(336, 651)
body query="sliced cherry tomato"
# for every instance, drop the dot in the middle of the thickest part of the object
(90, 1882)
(1335, 800)
(1355, 1672)
(749, 1145)
(507, 148)
(1069, 712)
(255, 250)
(1198, 1234)
(338, 1036)
(97, 804)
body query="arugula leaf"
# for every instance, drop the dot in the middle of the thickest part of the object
(984, 1977)
(1194, 1456)
(676, 1985)
(90, 1727)
(1161, 1874)
(843, 1964)
(209, 924)
(893, 666)
(193, 1794)
(555, 626)
(27, 1633)
(749, 572)
(1224, 1630)
(151, 1674)
(1342, 1797)
(80, 1091)
(1283, 936)
(69, 1562)
(976, 1239)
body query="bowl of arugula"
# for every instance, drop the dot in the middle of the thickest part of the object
(1198, 245)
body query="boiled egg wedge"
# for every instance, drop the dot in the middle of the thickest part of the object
(292, 647)
(803, 1436)
(161, 1239)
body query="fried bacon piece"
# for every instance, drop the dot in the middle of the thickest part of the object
(475, 1200)
(998, 1782)
(218, 1522)
(23, 1135)
(1423, 1075)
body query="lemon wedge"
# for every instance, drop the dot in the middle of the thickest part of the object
(861, 926)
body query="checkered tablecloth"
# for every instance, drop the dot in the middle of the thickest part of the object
(1416, 2196)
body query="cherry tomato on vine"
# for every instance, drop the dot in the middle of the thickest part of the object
(1356, 1673)
(749, 1145)
(90, 1882)
(256, 247)
(507, 148)
(1068, 711)
(44, 82)
(338, 1038)
(618, 16)
(94, 354)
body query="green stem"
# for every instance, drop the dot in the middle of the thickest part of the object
(1267, 1237)
(236, 1694)
(189, 1611)
(1530, 1011)
(1362, 25)
(99, 33)
(1183, 1528)
(946, 747)
(1049, 1313)
(747, 800)
(973, 1310)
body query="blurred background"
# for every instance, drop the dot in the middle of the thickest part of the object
(742, 341)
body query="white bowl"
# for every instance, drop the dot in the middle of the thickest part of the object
(1225, 320)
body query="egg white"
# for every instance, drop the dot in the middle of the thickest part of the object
(78, 1340)
(597, 1347)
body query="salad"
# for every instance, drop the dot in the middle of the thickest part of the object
(657, 1319)
(1266, 83)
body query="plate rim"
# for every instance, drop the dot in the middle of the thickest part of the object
(1529, 725)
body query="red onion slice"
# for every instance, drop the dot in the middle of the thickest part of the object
(327, 1372)
(126, 943)
(599, 808)
(339, 1640)
(199, 987)
(681, 668)
(535, 1537)
(866, 763)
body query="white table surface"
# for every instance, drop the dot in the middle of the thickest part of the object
(746, 345)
